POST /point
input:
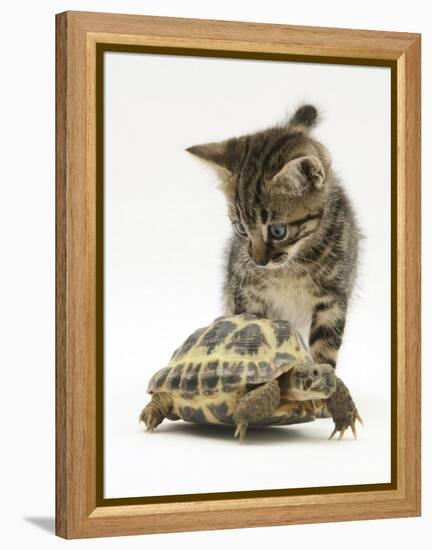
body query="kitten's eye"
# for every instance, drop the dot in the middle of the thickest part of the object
(278, 230)
(240, 228)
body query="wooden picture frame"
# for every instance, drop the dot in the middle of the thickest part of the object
(81, 510)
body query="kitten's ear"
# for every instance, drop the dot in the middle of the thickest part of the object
(306, 116)
(300, 176)
(223, 154)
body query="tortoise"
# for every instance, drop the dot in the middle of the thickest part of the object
(248, 370)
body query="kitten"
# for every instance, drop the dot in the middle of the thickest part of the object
(293, 253)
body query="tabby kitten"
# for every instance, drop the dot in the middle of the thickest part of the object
(293, 253)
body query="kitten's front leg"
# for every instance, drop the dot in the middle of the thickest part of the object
(327, 327)
(243, 299)
(240, 292)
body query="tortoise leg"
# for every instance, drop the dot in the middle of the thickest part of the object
(256, 404)
(154, 412)
(343, 410)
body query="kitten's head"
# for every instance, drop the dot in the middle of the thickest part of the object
(276, 185)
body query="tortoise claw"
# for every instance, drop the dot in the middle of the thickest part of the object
(342, 427)
(333, 433)
(241, 431)
(149, 419)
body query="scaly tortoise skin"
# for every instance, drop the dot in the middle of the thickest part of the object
(247, 370)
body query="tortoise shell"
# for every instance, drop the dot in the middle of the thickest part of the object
(218, 364)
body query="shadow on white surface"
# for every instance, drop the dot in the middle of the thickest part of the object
(44, 523)
(254, 436)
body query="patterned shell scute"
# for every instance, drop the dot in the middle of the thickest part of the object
(229, 354)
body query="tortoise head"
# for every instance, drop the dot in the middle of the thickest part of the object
(312, 381)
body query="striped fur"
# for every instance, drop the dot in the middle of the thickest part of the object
(283, 176)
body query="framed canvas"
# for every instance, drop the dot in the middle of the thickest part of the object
(302, 135)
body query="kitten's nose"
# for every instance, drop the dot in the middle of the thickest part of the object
(259, 253)
(261, 261)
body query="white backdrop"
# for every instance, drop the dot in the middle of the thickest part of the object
(27, 237)
(165, 229)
